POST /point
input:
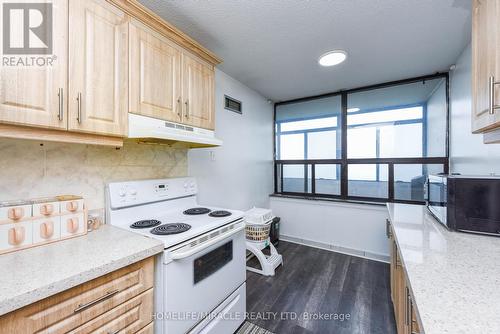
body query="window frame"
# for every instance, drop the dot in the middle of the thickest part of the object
(344, 161)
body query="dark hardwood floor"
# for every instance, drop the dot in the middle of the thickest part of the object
(319, 282)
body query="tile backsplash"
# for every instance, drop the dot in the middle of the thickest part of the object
(31, 169)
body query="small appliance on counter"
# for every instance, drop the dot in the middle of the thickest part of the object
(258, 225)
(465, 203)
(25, 224)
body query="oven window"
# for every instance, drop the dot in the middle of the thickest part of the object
(437, 193)
(209, 263)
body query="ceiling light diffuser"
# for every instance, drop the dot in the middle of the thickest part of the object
(353, 109)
(332, 58)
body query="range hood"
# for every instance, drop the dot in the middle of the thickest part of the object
(153, 130)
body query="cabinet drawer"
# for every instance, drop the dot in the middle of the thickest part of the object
(72, 225)
(46, 209)
(46, 229)
(72, 206)
(73, 308)
(15, 236)
(10, 214)
(128, 317)
(149, 329)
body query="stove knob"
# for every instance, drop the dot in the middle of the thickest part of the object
(185, 185)
(133, 192)
(122, 193)
(192, 185)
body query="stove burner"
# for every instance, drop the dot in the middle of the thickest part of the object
(219, 213)
(167, 229)
(146, 223)
(196, 211)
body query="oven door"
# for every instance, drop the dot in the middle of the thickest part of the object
(437, 191)
(201, 274)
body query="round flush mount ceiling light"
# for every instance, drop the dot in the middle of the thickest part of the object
(332, 58)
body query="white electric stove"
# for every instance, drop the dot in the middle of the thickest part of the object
(200, 277)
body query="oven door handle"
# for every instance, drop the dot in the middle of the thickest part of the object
(178, 255)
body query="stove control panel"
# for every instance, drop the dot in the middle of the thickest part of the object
(124, 194)
(161, 189)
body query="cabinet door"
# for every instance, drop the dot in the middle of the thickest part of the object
(485, 63)
(399, 295)
(198, 92)
(414, 327)
(35, 95)
(98, 60)
(155, 75)
(392, 243)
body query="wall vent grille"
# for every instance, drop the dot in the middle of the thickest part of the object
(232, 104)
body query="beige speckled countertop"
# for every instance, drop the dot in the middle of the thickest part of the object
(30, 275)
(454, 276)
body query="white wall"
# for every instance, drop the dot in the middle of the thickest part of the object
(357, 229)
(436, 121)
(241, 176)
(468, 154)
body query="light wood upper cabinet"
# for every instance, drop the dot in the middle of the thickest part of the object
(167, 82)
(112, 57)
(485, 64)
(198, 92)
(98, 62)
(155, 75)
(34, 95)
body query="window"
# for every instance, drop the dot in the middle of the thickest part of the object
(375, 144)
(376, 134)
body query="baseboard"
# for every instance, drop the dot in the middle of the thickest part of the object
(338, 249)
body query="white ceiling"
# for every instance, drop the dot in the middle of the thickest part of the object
(273, 46)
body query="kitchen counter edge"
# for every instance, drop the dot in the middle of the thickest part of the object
(44, 271)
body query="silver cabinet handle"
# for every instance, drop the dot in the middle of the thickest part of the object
(407, 306)
(388, 231)
(60, 95)
(179, 107)
(108, 295)
(187, 109)
(491, 95)
(396, 251)
(412, 322)
(79, 114)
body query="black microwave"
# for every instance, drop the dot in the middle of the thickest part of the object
(465, 203)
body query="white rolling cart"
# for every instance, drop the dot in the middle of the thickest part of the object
(258, 224)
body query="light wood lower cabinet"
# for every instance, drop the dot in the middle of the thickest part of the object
(404, 307)
(129, 317)
(149, 329)
(119, 301)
